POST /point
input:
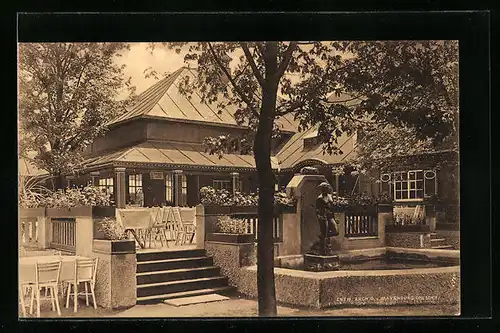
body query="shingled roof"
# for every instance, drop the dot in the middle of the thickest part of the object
(163, 100)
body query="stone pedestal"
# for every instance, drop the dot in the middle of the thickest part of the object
(319, 263)
(116, 273)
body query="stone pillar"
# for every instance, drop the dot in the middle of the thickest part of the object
(43, 232)
(305, 189)
(116, 281)
(383, 218)
(291, 234)
(120, 190)
(85, 236)
(200, 227)
(177, 187)
(236, 184)
(94, 176)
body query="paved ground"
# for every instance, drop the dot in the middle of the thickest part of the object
(239, 307)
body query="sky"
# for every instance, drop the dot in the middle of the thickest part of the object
(139, 58)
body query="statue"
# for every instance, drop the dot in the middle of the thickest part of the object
(327, 225)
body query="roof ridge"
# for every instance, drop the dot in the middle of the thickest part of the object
(149, 97)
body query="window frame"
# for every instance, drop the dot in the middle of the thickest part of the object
(408, 181)
(109, 183)
(222, 181)
(137, 179)
(169, 188)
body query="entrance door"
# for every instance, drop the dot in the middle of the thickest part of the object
(154, 194)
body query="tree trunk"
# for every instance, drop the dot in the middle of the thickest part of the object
(59, 182)
(262, 149)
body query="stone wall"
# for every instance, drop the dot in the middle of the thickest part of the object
(408, 239)
(416, 286)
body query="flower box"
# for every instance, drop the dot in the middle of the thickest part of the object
(384, 208)
(407, 228)
(231, 238)
(89, 211)
(114, 246)
(31, 212)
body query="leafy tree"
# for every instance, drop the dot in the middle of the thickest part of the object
(67, 92)
(400, 84)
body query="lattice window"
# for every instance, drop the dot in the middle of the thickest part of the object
(136, 195)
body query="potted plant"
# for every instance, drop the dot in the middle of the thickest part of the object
(31, 195)
(384, 203)
(82, 201)
(231, 230)
(110, 237)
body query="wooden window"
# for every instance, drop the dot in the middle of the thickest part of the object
(183, 199)
(222, 184)
(408, 185)
(106, 184)
(169, 188)
(135, 193)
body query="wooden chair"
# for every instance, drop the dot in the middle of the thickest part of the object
(186, 224)
(47, 276)
(85, 271)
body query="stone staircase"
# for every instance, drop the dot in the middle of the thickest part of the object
(438, 242)
(177, 274)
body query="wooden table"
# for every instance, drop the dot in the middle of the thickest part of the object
(137, 219)
(27, 267)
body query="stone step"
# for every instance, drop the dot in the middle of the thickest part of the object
(200, 299)
(159, 298)
(438, 239)
(177, 263)
(162, 255)
(170, 287)
(177, 274)
(442, 247)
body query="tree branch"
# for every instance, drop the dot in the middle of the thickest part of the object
(233, 83)
(287, 56)
(250, 60)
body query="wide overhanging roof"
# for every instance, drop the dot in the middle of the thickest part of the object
(174, 155)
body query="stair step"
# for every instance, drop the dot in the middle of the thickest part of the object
(168, 287)
(161, 297)
(438, 239)
(162, 255)
(177, 274)
(442, 247)
(177, 263)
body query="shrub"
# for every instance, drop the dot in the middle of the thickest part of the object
(83, 196)
(32, 191)
(212, 197)
(111, 229)
(229, 225)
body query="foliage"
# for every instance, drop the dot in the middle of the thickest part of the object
(405, 84)
(402, 218)
(83, 196)
(230, 225)
(363, 199)
(212, 197)
(32, 191)
(111, 229)
(67, 93)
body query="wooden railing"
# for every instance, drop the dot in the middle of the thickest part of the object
(361, 224)
(252, 221)
(29, 232)
(64, 234)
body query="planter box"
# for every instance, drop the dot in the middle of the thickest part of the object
(407, 228)
(244, 209)
(31, 212)
(114, 246)
(217, 210)
(384, 208)
(231, 238)
(88, 211)
(364, 210)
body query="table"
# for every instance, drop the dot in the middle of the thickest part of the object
(27, 268)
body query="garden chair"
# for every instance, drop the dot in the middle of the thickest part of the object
(186, 224)
(85, 272)
(158, 229)
(47, 276)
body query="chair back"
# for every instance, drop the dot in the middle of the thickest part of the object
(85, 269)
(177, 218)
(188, 215)
(157, 216)
(47, 272)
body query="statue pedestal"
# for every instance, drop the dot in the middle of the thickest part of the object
(318, 263)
